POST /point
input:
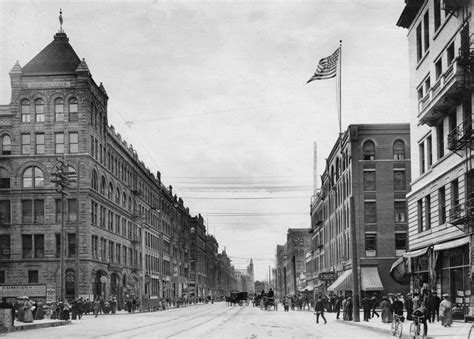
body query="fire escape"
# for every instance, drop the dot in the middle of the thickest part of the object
(460, 138)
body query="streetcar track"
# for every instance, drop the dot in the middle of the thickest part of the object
(203, 322)
(159, 323)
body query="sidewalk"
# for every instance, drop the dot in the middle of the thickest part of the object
(459, 329)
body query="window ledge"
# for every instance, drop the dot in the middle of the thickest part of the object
(422, 59)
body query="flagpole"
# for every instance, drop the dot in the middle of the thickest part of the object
(339, 73)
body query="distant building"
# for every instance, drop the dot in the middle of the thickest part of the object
(440, 204)
(369, 163)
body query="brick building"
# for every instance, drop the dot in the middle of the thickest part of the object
(369, 163)
(120, 232)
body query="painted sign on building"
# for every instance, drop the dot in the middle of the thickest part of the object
(22, 290)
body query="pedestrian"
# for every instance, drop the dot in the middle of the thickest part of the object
(80, 308)
(430, 304)
(366, 306)
(387, 315)
(446, 311)
(409, 306)
(337, 306)
(422, 313)
(349, 307)
(375, 304)
(344, 309)
(28, 317)
(96, 307)
(319, 310)
(39, 314)
(416, 301)
(397, 306)
(437, 302)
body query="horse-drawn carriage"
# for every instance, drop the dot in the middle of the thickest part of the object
(238, 298)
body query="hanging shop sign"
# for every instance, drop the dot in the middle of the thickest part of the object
(326, 276)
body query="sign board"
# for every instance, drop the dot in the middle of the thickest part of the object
(50, 294)
(22, 290)
(49, 84)
(325, 276)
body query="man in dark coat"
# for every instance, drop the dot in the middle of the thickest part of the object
(409, 306)
(366, 306)
(397, 306)
(319, 310)
(349, 306)
(337, 306)
(375, 304)
(437, 301)
(430, 304)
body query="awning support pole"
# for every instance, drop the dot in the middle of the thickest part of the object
(355, 271)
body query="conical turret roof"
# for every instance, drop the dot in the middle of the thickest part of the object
(56, 58)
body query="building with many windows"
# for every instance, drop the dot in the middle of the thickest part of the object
(440, 203)
(369, 165)
(117, 230)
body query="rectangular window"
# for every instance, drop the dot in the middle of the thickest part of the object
(400, 211)
(419, 46)
(39, 143)
(26, 211)
(58, 244)
(400, 243)
(426, 28)
(25, 144)
(399, 180)
(71, 245)
(419, 211)
(5, 246)
(58, 207)
(429, 152)
(94, 211)
(5, 214)
(438, 69)
(33, 277)
(437, 14)
(32, 246)
(72, 210)
(369, 180)
(428, 211)
(102, 216)
(27, 245)
(38, 211)
(442, 205)
(59, 143)
(25, 112)
(111, 251)
(73, 142)
(95, 246)
(2, 277)
(370, 244)
(450, 54)
(452, 122)
(39, 245)
(421, 148)
(370, 212)
(117, 252)
(454, 192)
(440, 139)
(73, 112)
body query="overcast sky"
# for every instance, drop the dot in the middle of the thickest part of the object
(213, 94)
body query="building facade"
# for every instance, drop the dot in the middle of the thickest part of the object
(114, 229)
(440, 202)
(370, 166)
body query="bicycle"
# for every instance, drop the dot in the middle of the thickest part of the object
(417, 327)
(397, 325)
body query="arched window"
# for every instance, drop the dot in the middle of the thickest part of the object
(39, 110)
(129, 203)
(369, 150)
(73, 109)
(110, 191)
(25, 110)
(33, 177)
(94, 181)
(102, 185)
(6, 145)
(338, 168)
(117, 196)
(399, 149)
(124, 200)
(4, 178)
(58, 110)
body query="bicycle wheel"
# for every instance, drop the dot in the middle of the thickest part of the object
(398, 330)
(421, 331)
(413, 329)
(393, 327)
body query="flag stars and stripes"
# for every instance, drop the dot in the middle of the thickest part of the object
(327, 67)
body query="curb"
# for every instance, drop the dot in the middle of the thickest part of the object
(38, 325)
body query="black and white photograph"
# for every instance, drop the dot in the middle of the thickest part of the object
(236, 169)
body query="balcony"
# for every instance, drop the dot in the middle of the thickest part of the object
(462, 214)
(461, 136)
(444, 95)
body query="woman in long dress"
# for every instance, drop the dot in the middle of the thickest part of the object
(39, 315)
(387, 313)
(446, 311)
(28, 318)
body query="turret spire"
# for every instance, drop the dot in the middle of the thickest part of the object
(61, 21)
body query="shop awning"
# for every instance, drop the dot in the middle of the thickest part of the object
(451, 244)
(416, 253)
(343, 282)
(370, 279)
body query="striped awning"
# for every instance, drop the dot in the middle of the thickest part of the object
(343, 283)
(370, 279)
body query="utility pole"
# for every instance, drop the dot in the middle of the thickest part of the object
(294, 273)
(61, 177)
(355, 263)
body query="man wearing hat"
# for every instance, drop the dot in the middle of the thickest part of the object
(446, 311)
(437, 302)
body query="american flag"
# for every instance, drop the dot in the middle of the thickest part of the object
(327, 67)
